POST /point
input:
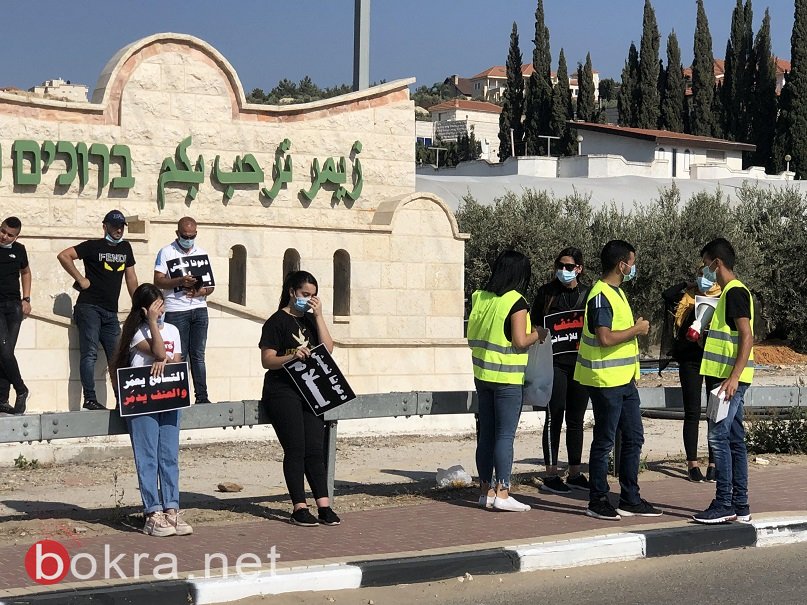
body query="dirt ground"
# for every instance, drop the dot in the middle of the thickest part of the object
(98, 498)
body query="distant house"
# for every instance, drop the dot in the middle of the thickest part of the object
(490, 84)
(782, 68)
(462, 87)
(454, 117)
(675, 154)
(61, 90)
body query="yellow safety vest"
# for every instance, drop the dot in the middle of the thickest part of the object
(494, 358)
(599, 366)
(722, 343)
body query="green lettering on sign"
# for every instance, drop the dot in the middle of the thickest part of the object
(68, 177)
(245, 171)
(20, 148)
(101, 151)
(126, 180)
(179, 170)
(283, 173)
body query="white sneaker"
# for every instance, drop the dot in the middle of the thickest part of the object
(486, 501)
(510, 504)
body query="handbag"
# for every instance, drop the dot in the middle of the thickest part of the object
(539, 374)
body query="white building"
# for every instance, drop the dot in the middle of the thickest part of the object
(61, 90)
(456, 116)
(490, 84)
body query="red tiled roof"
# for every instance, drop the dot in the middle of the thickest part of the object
(782, 65)
(662, 136)
(500, 71)
(483, 106)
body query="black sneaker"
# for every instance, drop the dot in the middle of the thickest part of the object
(643, 509)
(602, 509)
(579, 481)
(695, 475)
(92, 404)
(203, 400)
(715, 514)
(327, 516)
(19, 403)
(710, 475)
(555, 485)
(743, 514)
(303, 518)
(5, 408)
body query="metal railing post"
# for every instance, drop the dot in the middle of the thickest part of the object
(330, 454)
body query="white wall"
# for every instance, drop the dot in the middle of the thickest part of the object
(633, 150)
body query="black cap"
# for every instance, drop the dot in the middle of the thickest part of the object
(115, 218)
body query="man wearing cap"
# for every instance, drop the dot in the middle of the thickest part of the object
(186, 301)
(14, 270)
(106, 262)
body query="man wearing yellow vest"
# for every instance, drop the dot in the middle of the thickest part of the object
(728, 364)
(608, 364)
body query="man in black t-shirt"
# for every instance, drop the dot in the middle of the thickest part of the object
(13, 309)
(107, 262)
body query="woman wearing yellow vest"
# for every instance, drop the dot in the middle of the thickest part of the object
(608, 364)
(728, 363)
(499, 334)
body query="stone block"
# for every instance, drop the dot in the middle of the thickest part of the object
(444, 327)
(375, 247)
(445, 276)
(447, 303)
(407, 327)
(147, 76)
(415, 276)
(173, 77)
(412, 302)
(229, 331)
(27, 338)
(44, 364)
(453, 360)
(415, 361)
(370, 326)
(49, 336)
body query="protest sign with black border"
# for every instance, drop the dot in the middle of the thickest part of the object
(141, 393)
(566, 329)
(197, 265)
(320, 381)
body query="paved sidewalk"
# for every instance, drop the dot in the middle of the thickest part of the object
(437, 527)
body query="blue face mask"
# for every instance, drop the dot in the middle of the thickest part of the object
(565, 277)
(187, 244)
(704, 285)
(301, 304)
(710, 275)
(630, 275)
(112, 240)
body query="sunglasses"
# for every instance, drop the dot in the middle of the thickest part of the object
(567, 266)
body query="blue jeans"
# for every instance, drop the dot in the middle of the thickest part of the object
(95, 324)
(616, 408)
(727, 441)
(192, 326)
(10, 321)
(155, 442)
(499, 411)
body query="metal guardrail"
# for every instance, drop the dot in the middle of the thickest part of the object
(64, 425)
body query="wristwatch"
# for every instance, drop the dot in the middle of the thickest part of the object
(26, 299)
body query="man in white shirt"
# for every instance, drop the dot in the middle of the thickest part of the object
(185, 298)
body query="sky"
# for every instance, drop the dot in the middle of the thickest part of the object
(267, 40)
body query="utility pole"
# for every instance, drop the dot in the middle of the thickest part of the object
(361, 44)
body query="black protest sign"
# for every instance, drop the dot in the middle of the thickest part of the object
(566, 329)
(320, 381)
(141, 393)
(197, 265)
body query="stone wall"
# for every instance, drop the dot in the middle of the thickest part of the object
(404, 330)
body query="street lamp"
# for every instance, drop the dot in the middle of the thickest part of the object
(579, 144)
(787, 161)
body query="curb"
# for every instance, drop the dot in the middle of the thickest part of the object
(558, 554)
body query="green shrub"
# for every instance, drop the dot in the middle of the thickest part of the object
(783, 433)
(768, 228)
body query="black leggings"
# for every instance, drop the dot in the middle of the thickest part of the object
(302, 435)
(571, 397)
(691, 382)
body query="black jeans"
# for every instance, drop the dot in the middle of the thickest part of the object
(302, 435)
(571, 397)
(689, 372)
(10, 321)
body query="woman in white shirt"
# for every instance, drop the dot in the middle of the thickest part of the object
(147, 340)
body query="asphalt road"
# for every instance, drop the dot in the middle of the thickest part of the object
(753, 576)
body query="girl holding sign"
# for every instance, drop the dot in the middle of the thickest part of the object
(290, 333)
(146, 340)
(560, 306)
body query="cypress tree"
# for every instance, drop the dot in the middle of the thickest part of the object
(513, 102)
(763, 98)
(539, 89)
(627, 97)
(783, 139)
(586, 104)
(703, 78)
(648, 70)
(792, 125)
(562, 110)
(672, 104)
(735, 89)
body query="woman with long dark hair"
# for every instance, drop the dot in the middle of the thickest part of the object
(290, 333)
(147, 340)
(554, 305)
(499, 334)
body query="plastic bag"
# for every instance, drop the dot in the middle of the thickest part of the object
(455, 476)
(539, 375)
